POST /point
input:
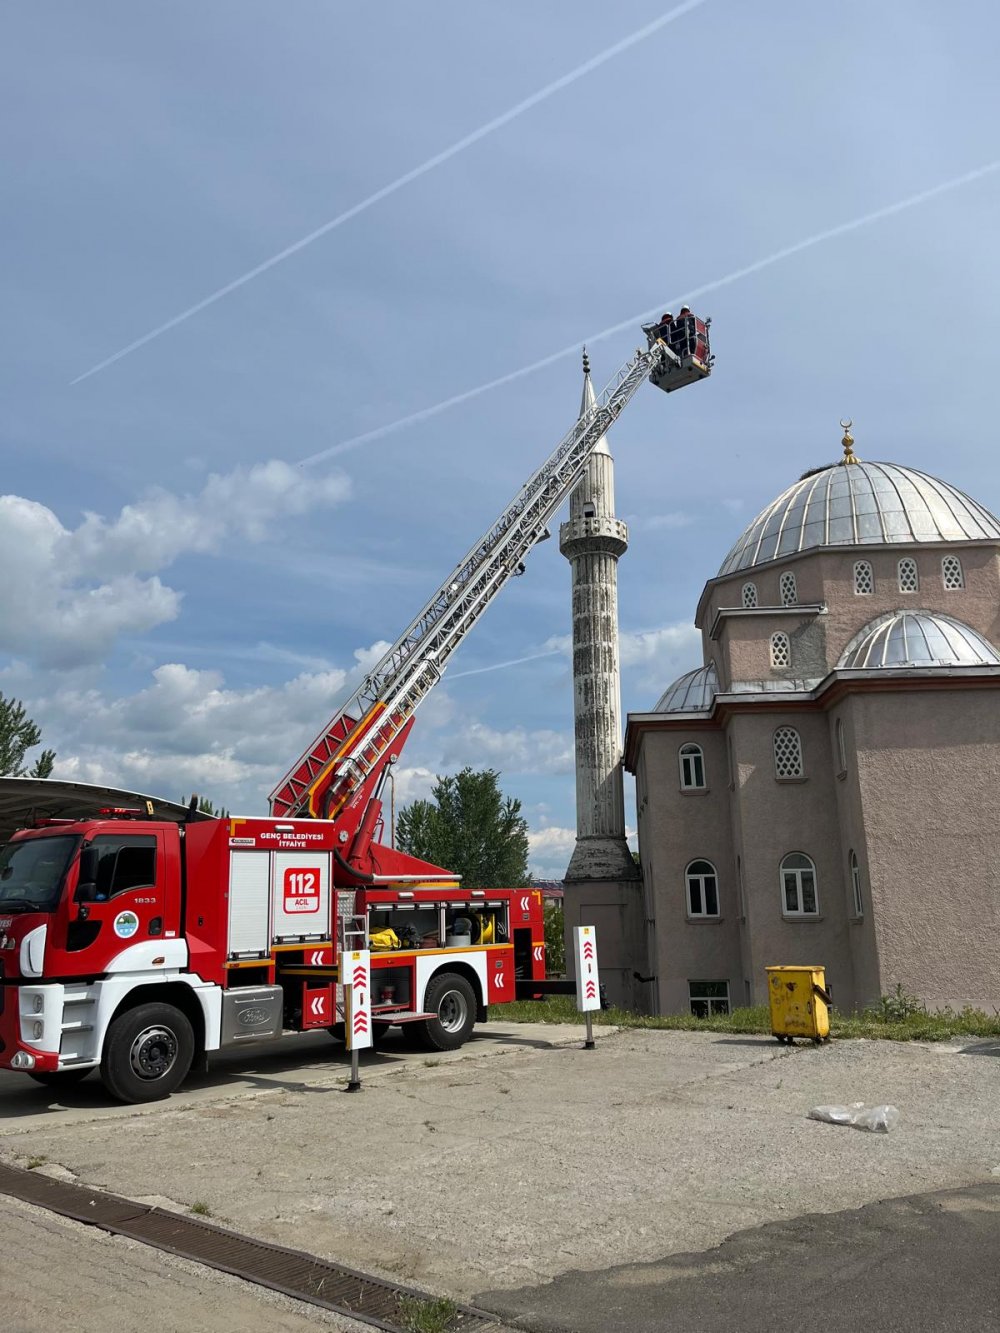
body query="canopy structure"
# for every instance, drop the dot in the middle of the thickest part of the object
(23, 800)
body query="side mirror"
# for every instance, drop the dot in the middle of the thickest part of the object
(86, 888)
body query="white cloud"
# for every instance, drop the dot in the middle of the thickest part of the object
(516, 750)
(659, 646)
(549, 851)
(68, 594)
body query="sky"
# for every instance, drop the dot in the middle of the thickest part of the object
(241, 240)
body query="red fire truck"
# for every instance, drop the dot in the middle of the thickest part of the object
(138, 945)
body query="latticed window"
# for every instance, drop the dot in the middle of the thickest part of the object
(702, 889)
(908, 578)
(787, 753)
(859, 904)
(781, 650)
(864, 580)
(749, 594)
(692, 763)
(951, 572)
(789, 595)
(798, 886)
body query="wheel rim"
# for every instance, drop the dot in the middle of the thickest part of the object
(153, 1054)
(452, 1011)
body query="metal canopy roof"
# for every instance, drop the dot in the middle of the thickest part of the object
(860, 504)
(25, 799)
(692, 693)
(917, 639)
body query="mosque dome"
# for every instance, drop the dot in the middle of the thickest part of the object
(855, 503)
(917, 639)
(692, 693)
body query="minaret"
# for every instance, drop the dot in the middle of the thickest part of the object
(602, 871)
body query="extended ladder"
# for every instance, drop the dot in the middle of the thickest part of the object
(358, 738)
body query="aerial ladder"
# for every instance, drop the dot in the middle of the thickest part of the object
(341, 776)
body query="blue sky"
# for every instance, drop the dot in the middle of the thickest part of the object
(182, 601)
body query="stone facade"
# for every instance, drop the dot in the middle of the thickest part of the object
(886, 777)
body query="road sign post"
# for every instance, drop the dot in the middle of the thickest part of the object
(588, 986)
(355, 976)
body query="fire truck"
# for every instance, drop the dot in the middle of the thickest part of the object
(140, 945)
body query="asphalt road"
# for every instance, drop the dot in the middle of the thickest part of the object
(922, 1264)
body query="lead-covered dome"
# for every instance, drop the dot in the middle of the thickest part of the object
(854, 503)
(917, 639)
(692, 693)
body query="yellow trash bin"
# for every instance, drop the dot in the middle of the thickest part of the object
(800, 1003)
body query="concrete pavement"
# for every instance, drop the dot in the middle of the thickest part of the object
(523, 1160)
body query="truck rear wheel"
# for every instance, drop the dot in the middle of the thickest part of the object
(452, 1001)
(147, 1054)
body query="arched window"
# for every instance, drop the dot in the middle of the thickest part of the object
(749, 595)
(692, 763)
(781, 650)
(909, 580)
(864, 580)
(789, 595)
(859, 902)
(951, 573)
(702, 889)
(798, 886)
(841, 747)
(787, 753)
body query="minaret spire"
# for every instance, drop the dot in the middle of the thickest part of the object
(602, 869)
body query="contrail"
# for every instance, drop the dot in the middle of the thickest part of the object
(498, 122)
(499, 666)
(818, 238)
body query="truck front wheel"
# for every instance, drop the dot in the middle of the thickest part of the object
(452, 1001)
(147, 1054)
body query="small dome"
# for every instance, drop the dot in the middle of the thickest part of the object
(918, 639)
(859, 504)
(692, 693)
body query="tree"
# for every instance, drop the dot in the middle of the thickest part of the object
(470, 827)
(205, 807)
(18, 734)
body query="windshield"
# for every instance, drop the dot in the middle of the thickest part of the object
(31, 873)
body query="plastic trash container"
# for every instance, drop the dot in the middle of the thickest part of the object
(800, 1003)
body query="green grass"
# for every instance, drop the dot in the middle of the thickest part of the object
(200, 1209)
(897, 1018)
(426, 1316)
(35, 1162)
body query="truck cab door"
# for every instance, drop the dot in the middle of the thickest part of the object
(128, 902)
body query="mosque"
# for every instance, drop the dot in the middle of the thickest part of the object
(824, 788)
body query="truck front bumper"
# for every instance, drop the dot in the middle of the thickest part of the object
(24, 1030)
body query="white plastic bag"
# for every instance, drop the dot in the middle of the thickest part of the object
(875, 1119)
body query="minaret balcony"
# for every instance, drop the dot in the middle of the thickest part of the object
(585, 536)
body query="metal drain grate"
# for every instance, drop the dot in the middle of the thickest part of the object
(292, 1272)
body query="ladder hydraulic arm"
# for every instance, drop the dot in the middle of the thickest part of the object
(340, 775)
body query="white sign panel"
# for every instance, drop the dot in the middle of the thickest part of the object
(301, 895)
(588, 986)
(355, 976)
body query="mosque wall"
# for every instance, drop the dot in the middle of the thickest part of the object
(677, 827)
(977, 604)
(775, 818)
(928, 766)
(854, 837)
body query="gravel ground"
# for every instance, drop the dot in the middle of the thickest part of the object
(505, 1165)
